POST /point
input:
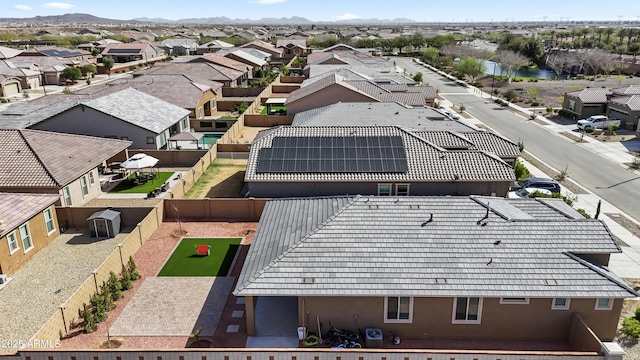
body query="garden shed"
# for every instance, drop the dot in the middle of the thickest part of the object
(104, 223)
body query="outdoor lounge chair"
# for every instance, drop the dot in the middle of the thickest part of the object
(203, 249)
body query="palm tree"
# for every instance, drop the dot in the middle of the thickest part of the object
(608, 32)
(599, 31)
(622, 32)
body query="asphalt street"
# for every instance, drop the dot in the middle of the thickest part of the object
(607, 179)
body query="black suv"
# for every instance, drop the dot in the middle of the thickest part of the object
(538, 183)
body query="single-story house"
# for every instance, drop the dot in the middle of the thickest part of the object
(9, 85)
(586, 102)
(333, 89)
(129, 114)
(466, 268)
(53, 163)
(293, 47)
(223, 63)
(212, 47)
(369, 160)
(180, 46)
(28, 223)
(625, 108)
(122, 53)
(199, 70)
(428, 123)
(266, 47)
(28, 78)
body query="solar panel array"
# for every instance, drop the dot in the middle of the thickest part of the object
(339, 154)
(123, 51)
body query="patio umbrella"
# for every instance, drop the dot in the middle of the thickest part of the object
(139, 161)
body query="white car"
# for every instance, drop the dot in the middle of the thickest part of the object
(527, 192)
(449, 113)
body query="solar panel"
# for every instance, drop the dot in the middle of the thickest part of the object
(339, 154)
(123, 51)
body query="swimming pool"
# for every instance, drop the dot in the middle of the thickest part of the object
(211, 138)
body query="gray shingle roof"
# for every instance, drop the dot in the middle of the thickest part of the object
(17, 208)
(140, 109)
(632, 102)
(33, 158)
(426, 162)
(378, 246)
(21, 116)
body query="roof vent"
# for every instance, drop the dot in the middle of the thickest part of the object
(551, 282)
(308, 280)
(441, 281)
(373, 207)
(414, 207)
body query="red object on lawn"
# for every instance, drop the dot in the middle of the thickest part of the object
(203, 249)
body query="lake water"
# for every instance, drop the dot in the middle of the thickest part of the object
(494, 68)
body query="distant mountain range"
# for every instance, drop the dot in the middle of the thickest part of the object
(294, 20)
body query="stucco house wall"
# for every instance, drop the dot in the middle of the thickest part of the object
(327, 96)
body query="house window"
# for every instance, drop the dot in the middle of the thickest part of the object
(185, 125)
(467, 310)
(402, 189)
(213, 104)
(151, 140)
(572, 105)
(206, 106)
(163, 139)
(48, 221)
(206, 124)
(398, 309)
(124, 138)
(26, 238)
(560, 304)
(13, 243)
(384, 189)
(83, 184)
(67, 196)
(92, 181)
(200, 113)
(514, 300)
(604, 304)
(221, 125)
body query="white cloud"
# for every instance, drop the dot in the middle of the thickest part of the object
(22, 7)
(58, 5)
(267, 2)
(346, 17)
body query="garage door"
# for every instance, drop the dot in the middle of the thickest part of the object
(617, 114)
(11, 89)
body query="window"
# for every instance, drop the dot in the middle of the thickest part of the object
(206, 124)
(560, 304)
(206, 106)
(572, 105)
(26, 238)
(92, 181)
(467, 310)
(48, 221)
(124, 138)
(83, 184)
(402, 189)
(163, 139)
(151, 140)
(200, 113)
(604, 304)
(398, 309)
(221, 125)
(384, 189)
(67, 196)
(13, 243)
(185, 124)
(213, 104)
(514, 300)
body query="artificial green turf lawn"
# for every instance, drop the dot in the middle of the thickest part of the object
(185, 262)
(126, 188)
(274, 107)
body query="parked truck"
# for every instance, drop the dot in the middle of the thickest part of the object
(596, 122)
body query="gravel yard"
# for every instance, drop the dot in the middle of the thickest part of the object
(49, 279)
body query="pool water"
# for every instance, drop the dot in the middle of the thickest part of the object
(211, 138)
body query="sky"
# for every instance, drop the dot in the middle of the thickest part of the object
(333, 10)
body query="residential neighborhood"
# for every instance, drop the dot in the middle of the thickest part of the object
(231, 188)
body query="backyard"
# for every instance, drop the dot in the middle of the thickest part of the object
(128, 187)
(223, 178)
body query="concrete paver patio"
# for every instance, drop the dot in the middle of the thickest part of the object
(174, 306)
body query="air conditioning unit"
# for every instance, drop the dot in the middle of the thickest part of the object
(3, 279)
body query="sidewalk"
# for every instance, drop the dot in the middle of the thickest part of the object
(627, 263)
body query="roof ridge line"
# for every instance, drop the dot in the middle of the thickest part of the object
(44, 166)
(299, 242)
(597, 269)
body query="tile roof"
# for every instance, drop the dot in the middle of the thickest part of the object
(8, 53)
(21, 116)
(225, 61)
(112, 49)
(379, 114)
(591, 95)
(472, 140)
(247, 57)
(633, 102)
(296, 42)
(33, 158)
(140, 109)
(379, 246)
(17, 208)
(426, 162)
(201, 70)
(628, 90)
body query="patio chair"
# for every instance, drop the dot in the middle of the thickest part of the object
(203, 250)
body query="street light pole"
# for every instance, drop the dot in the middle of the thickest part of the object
(493, 79)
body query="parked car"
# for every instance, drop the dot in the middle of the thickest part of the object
(527, 192)
(596, 122)
(449, 114)
(537, 183)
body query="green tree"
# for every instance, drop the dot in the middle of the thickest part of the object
(418, 77)
(470, 67)
(88, 69)
(71, 73)
(107, 62)
(430, 55)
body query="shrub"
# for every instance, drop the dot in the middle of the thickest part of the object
(521, 171)
(549, 109)
(584, 213)
(133, 269)
(535, 103)
(125, 280)
(631, 327)
(88, 319)
(114, 286)
(132, 67)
